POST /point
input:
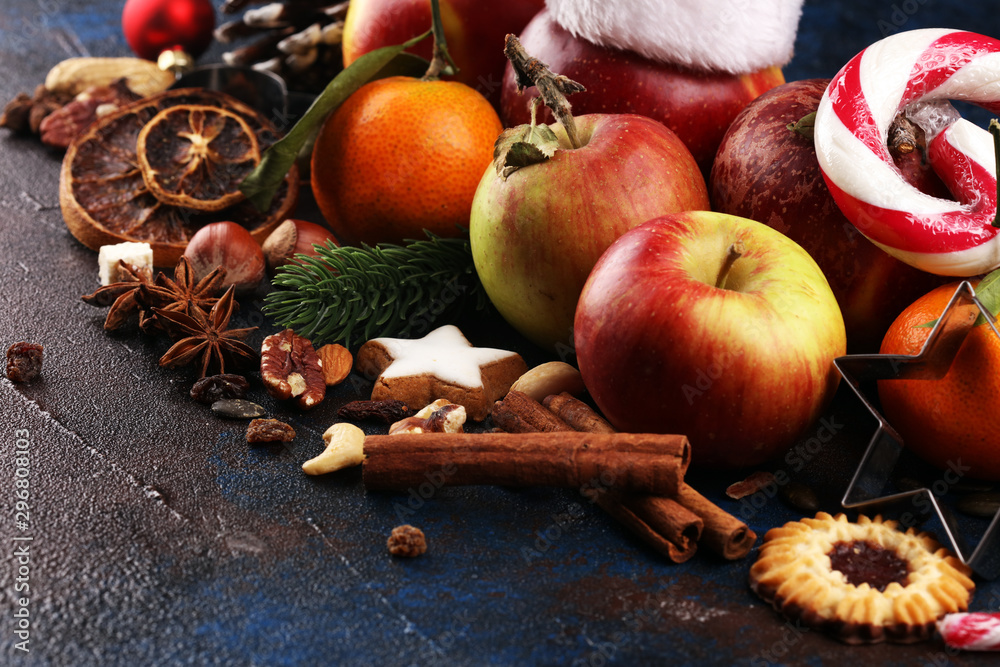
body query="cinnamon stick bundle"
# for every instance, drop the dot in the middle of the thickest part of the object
(637, 463)
(662, 523)
(657, 521)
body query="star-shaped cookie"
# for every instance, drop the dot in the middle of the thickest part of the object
(442, 364)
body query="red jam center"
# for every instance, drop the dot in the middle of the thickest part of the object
(861, 562)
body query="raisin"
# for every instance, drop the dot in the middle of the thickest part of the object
(387, 411)
(407, 541)
(269, 430)
(24, 361)
(214, 388)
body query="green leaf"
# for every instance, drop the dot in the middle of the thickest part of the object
(261, 184)
(988, 293)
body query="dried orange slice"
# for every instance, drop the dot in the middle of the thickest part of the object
(196, 156)
(105, 199)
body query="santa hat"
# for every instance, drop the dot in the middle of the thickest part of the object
(734, 36)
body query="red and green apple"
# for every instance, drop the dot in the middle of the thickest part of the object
(712, 326)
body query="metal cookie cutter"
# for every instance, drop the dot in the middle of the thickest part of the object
(873, 474)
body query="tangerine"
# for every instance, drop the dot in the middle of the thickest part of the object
(948, 421)
(402, 155)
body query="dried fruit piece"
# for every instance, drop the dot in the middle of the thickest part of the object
(291, 368)
(105, 200)
(218, 387)
(751, 485)
(337, 363)
(269, 430)
(24, 361)
(196, 156)
(407, 541)
(388, 410)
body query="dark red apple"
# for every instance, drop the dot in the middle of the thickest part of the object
(474, 29)
(769, 173)
(697, 105)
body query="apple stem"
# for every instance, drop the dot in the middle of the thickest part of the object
(441, 62)
(552, 87)
(995, 131)
(736, 251)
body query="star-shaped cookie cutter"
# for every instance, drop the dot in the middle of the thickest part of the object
(874, 472)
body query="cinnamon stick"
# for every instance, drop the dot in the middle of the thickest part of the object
(577, 414)
(662, 523)
(724, 534)
(520, 413)
(651, 464)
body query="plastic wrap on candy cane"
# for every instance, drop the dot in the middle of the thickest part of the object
(916, 72)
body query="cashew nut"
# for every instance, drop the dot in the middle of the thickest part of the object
(345, 445)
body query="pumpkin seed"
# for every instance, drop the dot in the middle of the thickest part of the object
(237, 408)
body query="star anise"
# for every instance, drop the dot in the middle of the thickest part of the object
(121, 296)
(182, 294)
(206, 337)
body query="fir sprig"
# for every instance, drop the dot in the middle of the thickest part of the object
(385, 290)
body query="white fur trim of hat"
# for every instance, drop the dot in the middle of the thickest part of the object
(736, 36)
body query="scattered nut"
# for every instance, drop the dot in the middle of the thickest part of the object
(345, 445)
(269, 430)
(441, 416)
(214, 388)
(337, 363)
(407, 541)
(290, 368)
(24, 361)
(387, 410)
(552, 377)
(74, 75)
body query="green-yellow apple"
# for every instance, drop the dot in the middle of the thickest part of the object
(696, 104)
(536, 232)
(712, 326)
(474, 30)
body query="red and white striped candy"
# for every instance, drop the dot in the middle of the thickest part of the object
(852, 124)
(971, 632)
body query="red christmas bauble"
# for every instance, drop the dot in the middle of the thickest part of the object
(154, 26)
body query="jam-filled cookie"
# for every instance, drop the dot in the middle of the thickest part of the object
(863, 582)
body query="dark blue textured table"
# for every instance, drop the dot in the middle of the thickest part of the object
(157, 536)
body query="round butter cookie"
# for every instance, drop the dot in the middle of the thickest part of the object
(863, 582)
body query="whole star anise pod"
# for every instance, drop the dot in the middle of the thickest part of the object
(206, 337)
(182, 294)
(121, 296)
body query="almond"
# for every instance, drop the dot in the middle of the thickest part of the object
(337, 363)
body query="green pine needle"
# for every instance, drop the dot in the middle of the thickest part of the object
(349, 293)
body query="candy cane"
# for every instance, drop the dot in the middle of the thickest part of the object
(852, 124)
(971, 632)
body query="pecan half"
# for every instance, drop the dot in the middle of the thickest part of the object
(290, 368)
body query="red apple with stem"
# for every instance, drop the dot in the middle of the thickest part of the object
(713, 326)
(697, 105)
(475, 31)
(766, 170)
(558, 196)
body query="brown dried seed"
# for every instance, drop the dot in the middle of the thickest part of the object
(269, 430)
(407, 541)
(799, 496)
(749, 486)
(337, 363)
(24, 361)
